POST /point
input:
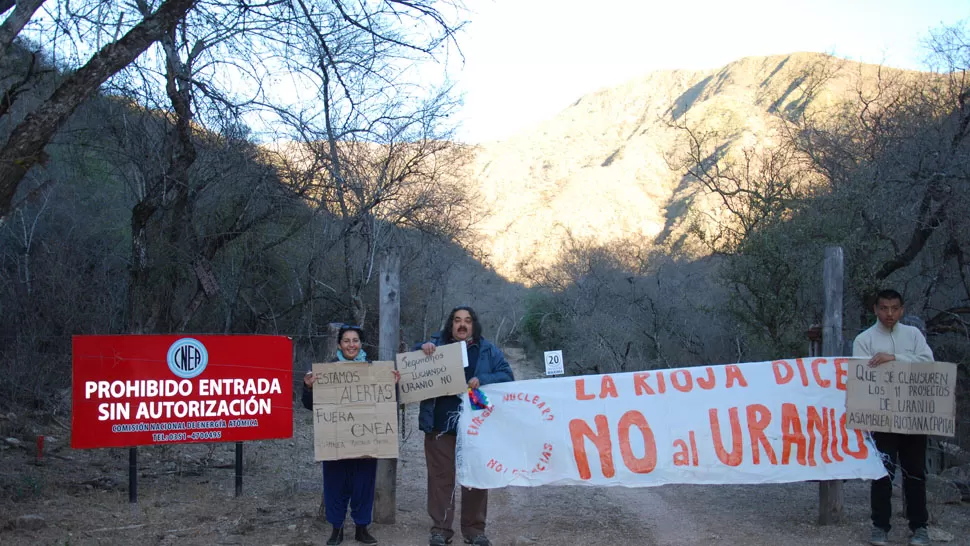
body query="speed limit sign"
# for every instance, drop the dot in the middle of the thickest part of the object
(554, 363)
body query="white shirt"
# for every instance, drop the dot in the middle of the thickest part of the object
(904, 341)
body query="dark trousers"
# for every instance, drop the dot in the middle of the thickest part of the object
(909, 450)
(349, 481)
(439, 452)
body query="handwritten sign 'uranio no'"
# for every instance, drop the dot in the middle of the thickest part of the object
(354, 412)
(429, 376)
(902, 397)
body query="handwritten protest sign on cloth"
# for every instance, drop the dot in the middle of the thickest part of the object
(429, 376)
(354, 412)
(902, 397)
(763, 422)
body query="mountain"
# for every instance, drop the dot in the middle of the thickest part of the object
(599, 169)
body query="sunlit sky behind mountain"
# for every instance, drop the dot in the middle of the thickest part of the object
(525, 60)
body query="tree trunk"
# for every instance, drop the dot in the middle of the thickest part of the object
(15, 22)
(385, 489)
(168, 193)
(329, 355)
(831, 497)
(25, 146)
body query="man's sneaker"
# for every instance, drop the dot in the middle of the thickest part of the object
(437, 539)
(879, 537)
(480, 540)
(921, 537)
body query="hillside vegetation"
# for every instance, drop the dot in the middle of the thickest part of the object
(604, 168)
(682, 217)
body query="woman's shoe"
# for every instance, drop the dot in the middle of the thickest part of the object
(336, 536)
(361, 535)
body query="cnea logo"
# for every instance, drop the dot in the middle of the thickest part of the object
(187, 358)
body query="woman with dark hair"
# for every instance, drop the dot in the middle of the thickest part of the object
(347, 481)
(438, 419)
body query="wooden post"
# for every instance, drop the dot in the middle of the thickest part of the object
(815, 340)
(330, 342)
(329, 355)
(830, 494)
(385, 489)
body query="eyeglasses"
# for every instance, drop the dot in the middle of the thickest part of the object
(350, 327)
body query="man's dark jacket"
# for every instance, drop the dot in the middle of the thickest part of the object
(491, 368)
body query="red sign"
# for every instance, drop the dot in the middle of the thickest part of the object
(146, 390)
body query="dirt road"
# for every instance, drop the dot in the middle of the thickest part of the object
(186, 498)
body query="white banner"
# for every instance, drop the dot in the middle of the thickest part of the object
(762, 422)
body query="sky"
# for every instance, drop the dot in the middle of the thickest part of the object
(526, 60)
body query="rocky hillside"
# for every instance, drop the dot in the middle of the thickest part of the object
(599, 169)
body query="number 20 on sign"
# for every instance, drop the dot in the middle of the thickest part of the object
(554, 363)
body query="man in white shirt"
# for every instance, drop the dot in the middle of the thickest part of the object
(883, 342)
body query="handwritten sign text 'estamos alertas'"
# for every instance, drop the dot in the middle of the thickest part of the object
(354, 412)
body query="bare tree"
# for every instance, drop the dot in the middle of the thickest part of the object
(23, 148)
(898, 162)
(752, 186)
(879, 171)
(623, 307)
(747, 196)
(374, 144)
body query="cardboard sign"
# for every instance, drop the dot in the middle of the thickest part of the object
(554, 363)
(354, 411)
(440, 374)
(759, 422)
(131, 390)
(902, 397)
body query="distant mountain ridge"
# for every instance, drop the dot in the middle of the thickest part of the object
(597, 170)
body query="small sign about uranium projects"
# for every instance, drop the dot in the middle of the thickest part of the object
(428, 376)
(354, 412)
(902, 397)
